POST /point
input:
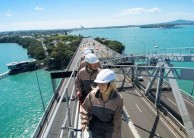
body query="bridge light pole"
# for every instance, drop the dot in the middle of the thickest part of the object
(192, 90)
(144, 48)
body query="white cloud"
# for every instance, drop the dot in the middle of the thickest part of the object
(8, 14)
(60, 24)
(135, 11)
(97, 22)
(39, 25)
(38, 8)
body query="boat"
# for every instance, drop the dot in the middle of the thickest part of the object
(22, 66)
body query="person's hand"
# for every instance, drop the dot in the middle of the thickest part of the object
(79, 95)
(83, 127)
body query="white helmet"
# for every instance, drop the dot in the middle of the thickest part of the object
(86, 52)
(91, 58)
(86, 48)
(105, 76)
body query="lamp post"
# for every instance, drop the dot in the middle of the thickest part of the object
(192, 90)
(156, 47)
(143, 48)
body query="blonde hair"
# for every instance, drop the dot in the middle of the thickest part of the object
(113, 85)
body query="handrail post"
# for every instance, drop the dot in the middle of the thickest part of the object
(67, 108)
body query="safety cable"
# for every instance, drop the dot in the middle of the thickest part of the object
(39, 90)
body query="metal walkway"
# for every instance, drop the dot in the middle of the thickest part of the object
(149, 109)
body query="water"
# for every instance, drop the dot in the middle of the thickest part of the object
(20, 103)
(10, 52)
(137, 40)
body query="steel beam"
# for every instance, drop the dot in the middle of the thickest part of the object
(181, 105)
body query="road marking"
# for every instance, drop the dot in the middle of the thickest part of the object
(171, 101)
(156, 114)
(138, 108)
(130, 123)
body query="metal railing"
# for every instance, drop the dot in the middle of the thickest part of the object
(166, 51)
(68, 102)
(44, 119)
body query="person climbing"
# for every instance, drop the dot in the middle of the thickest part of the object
(102, 109)
(84, 81)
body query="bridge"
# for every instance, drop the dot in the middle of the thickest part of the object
(153, 106)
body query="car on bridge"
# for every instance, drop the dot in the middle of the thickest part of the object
(140, 78)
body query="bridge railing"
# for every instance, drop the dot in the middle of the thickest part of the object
(166, 51)
(67, 121)
(56, 87)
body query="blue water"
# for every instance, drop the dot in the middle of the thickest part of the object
(137, 40)
(20, 104)
(11, 52)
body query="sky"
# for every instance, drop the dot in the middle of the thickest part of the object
(67, 14)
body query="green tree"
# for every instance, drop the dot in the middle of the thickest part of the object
(39, 53)
(114, 45)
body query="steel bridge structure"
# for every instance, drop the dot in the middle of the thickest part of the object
(61, 118)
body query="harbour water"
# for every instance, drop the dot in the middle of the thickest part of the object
(20, 103)
(10, 53)
(137, 40)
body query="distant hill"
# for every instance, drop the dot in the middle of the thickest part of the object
(171, 24)
(181, 22)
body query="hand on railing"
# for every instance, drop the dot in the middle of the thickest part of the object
(83, 127)
(73, 98)
(71, 128)
(79, 95)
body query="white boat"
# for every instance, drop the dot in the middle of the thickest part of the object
(22, 66)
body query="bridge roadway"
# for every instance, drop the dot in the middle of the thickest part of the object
(146, 120)
(168, 100)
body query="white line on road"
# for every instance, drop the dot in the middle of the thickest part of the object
(156, 114)
(171, 101)
(130, 123)
(138, 108)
